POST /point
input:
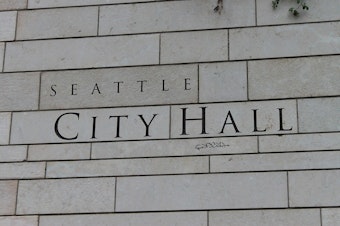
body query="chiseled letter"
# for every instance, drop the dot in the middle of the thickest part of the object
(56, 126)
(146, 124)
(232, 123)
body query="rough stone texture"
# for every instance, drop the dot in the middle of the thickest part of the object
(11, 5)
(207, 146)
(223, 82)
(194, 192)
(127, 167)
(298, 77)
(301, 142)
(64, 3)
(22, 170)
(5, 120)
(19, 91)
(7, 25)
(299, 217)
(314, 188)
(140, 219)
(319, 115)
(13, 153)
(58, 152)
(82, 53)
(277, 161)
(330, 217)
(318, 11)
(285, 41)
(66, 196)
(130, 90)
(8, 191)
(57, 23)
(198, 46)
(19, 221)
(174, 16)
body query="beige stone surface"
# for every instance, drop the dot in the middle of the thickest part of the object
(197, 46)
(8, 190)
(223, 82)
(282, 217)
(174, 16)
(277, 161)
(127, 167)
(13, 153)
(319, 115)
(19, 221)
(5, 121)
(7, 25)
(206, 146)
(66, 196)
(297, 77)
(285, 41)
(19, 91)
(243, 117)
(318, 11)
(120, 87)
(57, 23)
(139, 219)
(300, 142)
(194, 192)
(41, 127)
(330, 217)
(314, 188)
(11, 5)
(82, 53)
(59, 152)
(27, 170)
(64, 3)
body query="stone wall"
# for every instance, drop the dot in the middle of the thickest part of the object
(149, 113)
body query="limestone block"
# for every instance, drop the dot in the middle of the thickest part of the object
(19, 91)
(8, 192)
(127, 167)
(285, 41)
(330, 217)
(314, 188)
(223, 82)
(82, 53)
(300, 142)
(7, 25)
(58, 152)
(111, 124)
(57, 23)
(5, 120)
(277, 161)
(120, 87)
(66, 196)
(319, 115)
(297, 77)
(19, 221)
(12, 5)
(13, 153)
(139, 219)
(198, 46)
(287, 217)
(174, 16)
(27, 170)
(317, 12)
(206, 146)
(194, 192)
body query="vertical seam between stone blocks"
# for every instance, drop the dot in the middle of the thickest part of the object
(115, 204)
(159, 49)
(209, 163)
(27, 149)
(255, 12)
(45, 169)
(16, 26)
(297, 116)
(247, 80)
(288, 189)
(16, 199)
(208, 218)
(39, 98)
(258, 144)
(228, 46)
(26, 4)
(198, 83)
(10, 129)
(3, 59)
(98, 21)
(170, 122)
(91, 151)
(38, 220)
(320, 217)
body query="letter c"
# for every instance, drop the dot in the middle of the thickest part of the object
(56, 126)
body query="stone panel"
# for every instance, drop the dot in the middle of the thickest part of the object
(223, 82)
(8, 192)
(198, 46)
(19, 91)
(319, 115)
(330, 217)
(57, 23)
(174, 16)
(7, 25)
(58, 152)
(120, 87)
(5, 121)
(297, 77)
(64, 3)
(296, 217)
(206, 146)
(300, 142)
(194, 192)
(19, 221)
(13, 153)
(82, 53)
(277, 161)
(27, 170)
(314, 188)
(66, 196)
(12, 5)
(285, 41)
